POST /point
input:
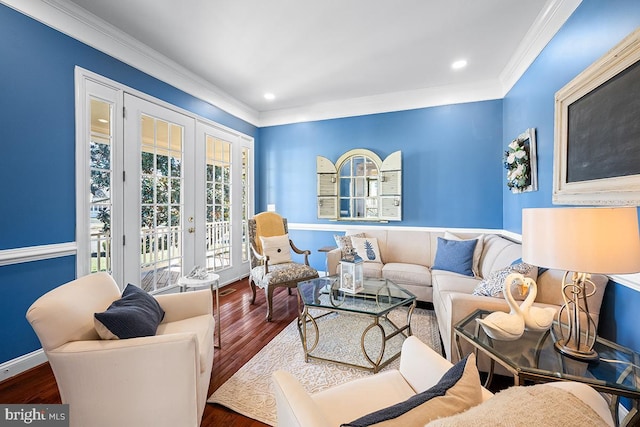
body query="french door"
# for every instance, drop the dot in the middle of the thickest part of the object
(159, 194)
(159, 191)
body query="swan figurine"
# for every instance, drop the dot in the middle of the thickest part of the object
(535, 318)
(505, 326)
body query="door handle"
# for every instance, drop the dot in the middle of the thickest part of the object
(191, 229)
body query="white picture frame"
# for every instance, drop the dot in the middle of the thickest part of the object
(596, 149)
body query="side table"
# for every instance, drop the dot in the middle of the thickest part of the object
(533, 357)
(212, 281)
(325, 250)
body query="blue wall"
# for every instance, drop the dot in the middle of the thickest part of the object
(593, 29)
(451, 162)
(37, 156)
(453, 175)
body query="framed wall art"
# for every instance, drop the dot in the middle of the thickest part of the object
(597, 131)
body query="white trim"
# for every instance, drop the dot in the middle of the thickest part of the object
(389, 102)
(36, 253)
(544, 28)
(631, 281)
(76, 22)
(21, 364)
(70, 19)
(338, 226)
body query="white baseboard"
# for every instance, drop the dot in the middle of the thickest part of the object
(20, 364)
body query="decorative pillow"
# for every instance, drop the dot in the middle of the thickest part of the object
(367, 248)
(537, 405)
(277, 248)
(136, 314)
(492, 285)
(477, 252)
(455, 255)
(458, 390)
(344, 242)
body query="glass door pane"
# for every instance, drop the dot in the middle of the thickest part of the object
(218, 203)
(101, 173)
(246, 201)
(161, 203)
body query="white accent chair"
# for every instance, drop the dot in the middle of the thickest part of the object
(160, 380)
(420, 369)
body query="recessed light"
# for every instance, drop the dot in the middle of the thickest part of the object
(103, 120)
(459, 64)
(269, 96)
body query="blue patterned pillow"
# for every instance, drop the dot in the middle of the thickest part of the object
(455, 256)
(492, 285)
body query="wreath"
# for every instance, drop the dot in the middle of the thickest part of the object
(516, 162)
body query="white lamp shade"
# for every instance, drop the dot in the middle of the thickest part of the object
(586, 240)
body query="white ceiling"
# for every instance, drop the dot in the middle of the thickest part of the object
(337, 57)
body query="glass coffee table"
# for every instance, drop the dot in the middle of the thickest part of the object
(330, 313)
(533, 357)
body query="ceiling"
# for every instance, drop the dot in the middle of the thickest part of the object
(324, 55)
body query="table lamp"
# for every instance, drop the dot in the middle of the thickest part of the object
(580, 241)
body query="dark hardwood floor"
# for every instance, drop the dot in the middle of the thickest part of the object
(244, 333)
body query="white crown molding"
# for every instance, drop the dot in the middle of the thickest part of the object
(76, 22)
(398, 101)
(543, 29)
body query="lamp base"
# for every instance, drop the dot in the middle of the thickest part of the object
(582, 354)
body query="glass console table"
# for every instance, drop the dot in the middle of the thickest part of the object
(534, 358)
(355, 315)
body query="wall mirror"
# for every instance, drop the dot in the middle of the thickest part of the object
(360, 187)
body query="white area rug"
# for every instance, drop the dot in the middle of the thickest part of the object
(249, 391)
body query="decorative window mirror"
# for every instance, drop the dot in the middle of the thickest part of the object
(360, 186)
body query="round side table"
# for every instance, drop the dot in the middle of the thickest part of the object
(212, 281)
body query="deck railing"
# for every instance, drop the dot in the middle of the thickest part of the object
(161, 250)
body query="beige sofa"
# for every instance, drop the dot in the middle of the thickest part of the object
(407, 257)
(349, 401)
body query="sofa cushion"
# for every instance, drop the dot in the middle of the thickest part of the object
(492, 285)
(412, 274)
(367, 248)
(372, 269)
(136, 314)
(477, 252)
(458, 390)
(498, 253)
(455, 255)
(277, 248)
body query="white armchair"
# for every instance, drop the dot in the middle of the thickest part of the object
(420, 369)
(159, 380)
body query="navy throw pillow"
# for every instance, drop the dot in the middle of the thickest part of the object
(136, 314)
(455, 256)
